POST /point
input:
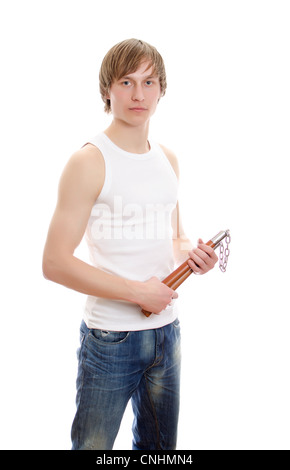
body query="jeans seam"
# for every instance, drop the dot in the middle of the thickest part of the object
(81, 361)
(154, 414)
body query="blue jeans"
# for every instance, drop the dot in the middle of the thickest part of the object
(114, 367)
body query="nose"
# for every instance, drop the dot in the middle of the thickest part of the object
(138, 94)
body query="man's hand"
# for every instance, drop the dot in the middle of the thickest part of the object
(154, 296)
(202, 258)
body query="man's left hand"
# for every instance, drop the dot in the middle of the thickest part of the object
(202, 258)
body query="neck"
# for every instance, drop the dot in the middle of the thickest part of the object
(131, 139)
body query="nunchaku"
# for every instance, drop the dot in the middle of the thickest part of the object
(177, 277)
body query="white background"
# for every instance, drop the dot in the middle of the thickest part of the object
(226, 115)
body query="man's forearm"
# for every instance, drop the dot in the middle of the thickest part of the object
(151, 295)
(75, 274)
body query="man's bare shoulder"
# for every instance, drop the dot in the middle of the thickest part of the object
(87, 156)
(86, 160)
(172, 159)
(84, 171)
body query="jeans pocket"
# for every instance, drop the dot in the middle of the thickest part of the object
(105, 352)
(109, 337)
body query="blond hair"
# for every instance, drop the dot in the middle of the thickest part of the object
(124, 58)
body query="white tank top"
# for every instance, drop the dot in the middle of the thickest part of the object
(129, 231)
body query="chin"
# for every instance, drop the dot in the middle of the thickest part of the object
(135, 121)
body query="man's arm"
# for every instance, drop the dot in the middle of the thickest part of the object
(202, 258)
(79, 187)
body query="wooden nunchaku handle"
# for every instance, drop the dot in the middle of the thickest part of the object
(177, 277)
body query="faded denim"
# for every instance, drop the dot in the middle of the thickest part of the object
(114, 367)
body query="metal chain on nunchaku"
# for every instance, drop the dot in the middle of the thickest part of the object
(224, 252)
(177, 277)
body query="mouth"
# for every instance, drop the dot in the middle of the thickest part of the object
(138, 109)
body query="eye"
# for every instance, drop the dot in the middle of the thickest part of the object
(126, 83)
(149, 82)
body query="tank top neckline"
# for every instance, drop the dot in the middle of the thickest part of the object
(135, 156)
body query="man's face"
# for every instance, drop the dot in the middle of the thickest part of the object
(135, 96)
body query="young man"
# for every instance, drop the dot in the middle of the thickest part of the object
(121, 190)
